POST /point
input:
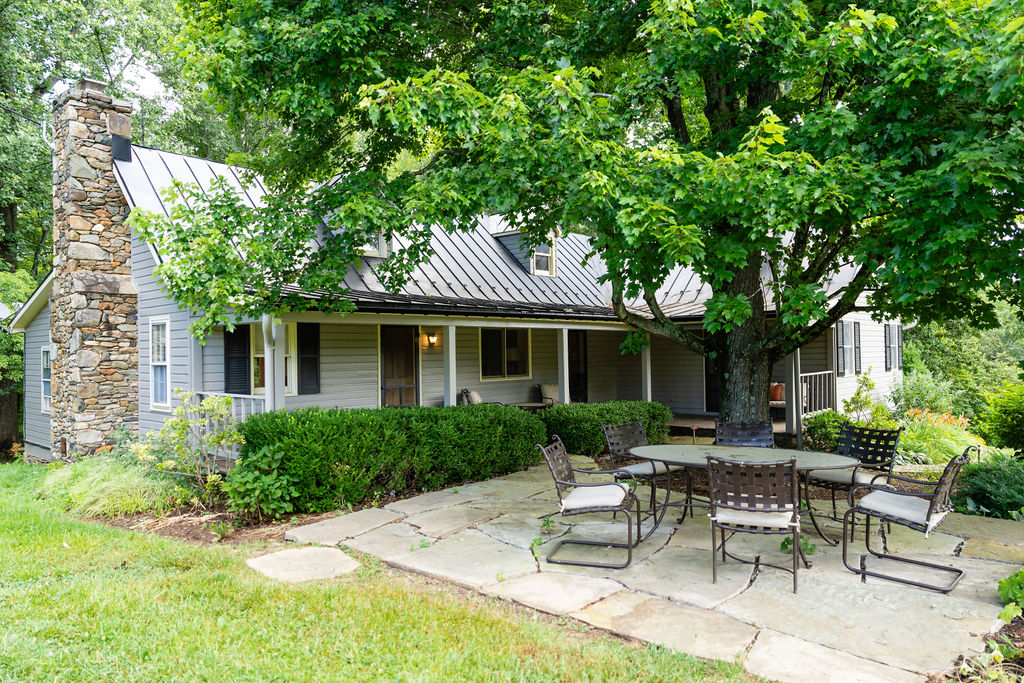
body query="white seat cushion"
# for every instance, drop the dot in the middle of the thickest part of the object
(771, 520)
(909, 508)
(549, 393)
(475, 398)
(605, 495)
(864, 476)
(647, 469)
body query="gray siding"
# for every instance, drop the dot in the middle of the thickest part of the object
(544, 364)
(153, 303)
(872, 350)
(814, 355)
(213, 361)
(348, 369)
(677, 376)
(37, 423)
(603, 360)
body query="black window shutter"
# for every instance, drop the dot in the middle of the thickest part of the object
(856, 348)
(308, 339)
(237, 371)
(840, 356)
(899, 346)
(888, 348)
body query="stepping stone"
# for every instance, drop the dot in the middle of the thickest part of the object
(682, 628)
(429, 501)
(776, 656)
(303, 564)
(337, 529)
(470, 559)
(389, 542)
(444, 522)
(555, 593)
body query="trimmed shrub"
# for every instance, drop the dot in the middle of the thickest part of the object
(821, 430)
(330, 457)
(579, 424)
(1004, 421)
(994, 487)
(108, 486)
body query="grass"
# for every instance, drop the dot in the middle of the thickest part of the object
(103, 486)
(81, 601)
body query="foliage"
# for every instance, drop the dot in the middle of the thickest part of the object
(109, 586)
(1011, 594)
(935, 437)
(999, 663)
(107, 486)
(332, 457)
(15, 288)
(579, 424)
(922, 390)
(996, 484)
(866, 410)
(809, 548)
(821, 430)
(262, 490)
(1004, 421)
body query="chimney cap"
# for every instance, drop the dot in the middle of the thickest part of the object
(92, 84)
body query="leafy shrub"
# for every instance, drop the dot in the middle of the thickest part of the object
(1011, 594)
(996, 485)
(934, 437)
(821, 430)
(334, 456)
(1003, 423)
(579, 424)
(923, 391)
(108, 486)
(261, 490)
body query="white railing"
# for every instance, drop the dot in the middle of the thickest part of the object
(242, 405)
(818, 389)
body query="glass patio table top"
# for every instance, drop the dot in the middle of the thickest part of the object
(695, 455)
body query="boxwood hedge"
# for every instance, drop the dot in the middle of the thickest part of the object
(579, 424)
(335, 456)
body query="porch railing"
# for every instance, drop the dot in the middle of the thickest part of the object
(818, 389)
(242, 405)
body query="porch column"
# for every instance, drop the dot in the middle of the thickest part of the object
(195, 365)
(278, 367)
(273, 353)
(563, 365)
(645, 372)
(794, 398)
(448, 343)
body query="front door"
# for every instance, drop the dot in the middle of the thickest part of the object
(578, 366)
(711, 391)
(398, 354)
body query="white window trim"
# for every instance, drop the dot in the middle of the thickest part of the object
(506, 378)
(166, 322)
(382, 252)
(291, 357)
(552, 270)
(44, 401)
(850, 361)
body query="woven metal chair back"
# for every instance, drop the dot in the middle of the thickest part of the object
(940, 498)
(620, 438)
(873, 447)
(769, 486)
(558, 462)
(756, 434)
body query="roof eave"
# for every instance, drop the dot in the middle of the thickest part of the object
(27, 313)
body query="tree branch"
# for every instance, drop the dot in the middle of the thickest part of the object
(660, 325)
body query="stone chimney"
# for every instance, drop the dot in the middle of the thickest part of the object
(93, 301)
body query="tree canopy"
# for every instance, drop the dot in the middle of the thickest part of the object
(806, 158)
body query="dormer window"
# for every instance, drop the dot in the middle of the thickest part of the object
(544, 260)
(376, 246)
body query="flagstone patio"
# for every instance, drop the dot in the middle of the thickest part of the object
(836, 628)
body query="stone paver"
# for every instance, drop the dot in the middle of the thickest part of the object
(506, 490)
(680, 627)
(973, 526)
(993, 550)
(303, 564)
(389, 542)
(684, 575)
(333, 531)
(777, 656)
(469, 558)
(429, 501)
(555, 593)
(520, 530)
(446, 521)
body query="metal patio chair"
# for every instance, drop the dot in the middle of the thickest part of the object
(919, 511)
(756, 498)
(582, 498)
(619, 439)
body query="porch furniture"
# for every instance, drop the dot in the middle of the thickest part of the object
(754, 498)
(548, 394)
(695, 455)
(620, 438)
(472, 397)
(919, 511)
(875, 450)
(584, 498)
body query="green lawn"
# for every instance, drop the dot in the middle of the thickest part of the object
(81, 601)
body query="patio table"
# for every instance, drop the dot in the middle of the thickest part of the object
(695, 455)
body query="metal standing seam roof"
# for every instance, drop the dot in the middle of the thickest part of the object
(469, 273)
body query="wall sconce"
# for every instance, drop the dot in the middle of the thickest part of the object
(431, 339)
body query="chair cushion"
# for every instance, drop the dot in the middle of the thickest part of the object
(864, 476)
(772, 520)
(910, 508)
(604, 496)
(475, 398)
(647, 469)
(549, 393)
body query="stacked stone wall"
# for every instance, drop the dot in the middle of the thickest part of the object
(94, 300)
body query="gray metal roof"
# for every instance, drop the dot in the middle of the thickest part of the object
(469, 273)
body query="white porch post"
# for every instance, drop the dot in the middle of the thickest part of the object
(563, 365)
(645, 372)
(794, 398)
(449, 365)
(280, 349)
(195, 365)
(273, 353)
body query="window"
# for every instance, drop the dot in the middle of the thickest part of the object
(544, 260)
(893, 347)
(159, 370)
(259, 359)
(376, 246)
(504, 353)
(844, 348)
(46, 370)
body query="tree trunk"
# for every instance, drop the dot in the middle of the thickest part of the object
(9, 431)
(8, 235)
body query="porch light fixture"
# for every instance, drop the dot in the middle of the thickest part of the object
(431, 338)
